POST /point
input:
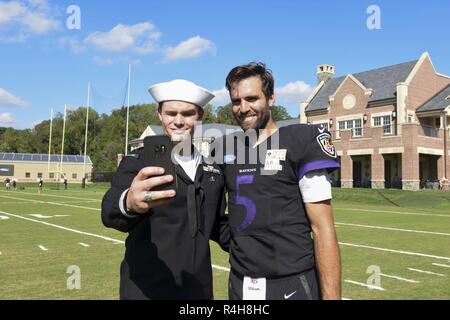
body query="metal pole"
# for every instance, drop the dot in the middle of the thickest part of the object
(62, 145)
(87, 125)
(128, 109)
(50, 142)
(445, 144)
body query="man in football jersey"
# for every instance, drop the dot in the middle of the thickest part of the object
(283, 239)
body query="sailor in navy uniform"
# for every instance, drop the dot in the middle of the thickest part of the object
(167, 253)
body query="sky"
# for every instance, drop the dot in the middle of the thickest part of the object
(50, 50)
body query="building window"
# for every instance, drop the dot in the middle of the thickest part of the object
(357, 131)
(377, 122)
(438, 122)
(385, 122)
(27, 175)
(74, 176)
(355, 125)
(39, 175)
(51, 175)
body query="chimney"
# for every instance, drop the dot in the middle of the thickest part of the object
(325, 72)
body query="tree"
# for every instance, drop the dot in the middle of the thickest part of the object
(106, 135)
(225, 115)
(209, 115)
(280, 113)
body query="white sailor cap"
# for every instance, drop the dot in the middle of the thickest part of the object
(181, 90)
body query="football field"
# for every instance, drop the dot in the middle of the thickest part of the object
(394, 245)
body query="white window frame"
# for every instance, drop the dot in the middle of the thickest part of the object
(350, 124)
(385, 121)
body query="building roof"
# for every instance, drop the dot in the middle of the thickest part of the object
(382, 81)
(438, 103)
(26, 157)
(158, 130)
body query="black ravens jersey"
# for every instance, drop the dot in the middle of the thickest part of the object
(271, 233)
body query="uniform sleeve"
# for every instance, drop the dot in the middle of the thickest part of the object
(319, 153)
(315, 186)
(112, 215)
(221, 230)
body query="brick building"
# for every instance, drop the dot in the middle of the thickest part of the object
(390, 125)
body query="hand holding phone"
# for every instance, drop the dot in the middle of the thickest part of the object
(158, 153)
(156, 184)
(144, 183)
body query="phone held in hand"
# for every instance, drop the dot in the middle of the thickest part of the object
(158, 153)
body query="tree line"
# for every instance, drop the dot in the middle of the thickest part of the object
(106, 135)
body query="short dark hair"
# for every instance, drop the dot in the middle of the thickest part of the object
(251, 70)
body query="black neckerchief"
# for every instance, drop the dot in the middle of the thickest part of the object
(195, 199)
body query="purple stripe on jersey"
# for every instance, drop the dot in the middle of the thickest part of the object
(317, 165)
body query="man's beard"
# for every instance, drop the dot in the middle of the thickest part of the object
(261, 122)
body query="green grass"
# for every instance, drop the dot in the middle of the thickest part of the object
(27, 272)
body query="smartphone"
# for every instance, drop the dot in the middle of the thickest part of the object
(158, 153)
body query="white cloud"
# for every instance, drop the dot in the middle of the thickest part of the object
(73, 44)
(10, 11)
(140, 38)
(7, 120)
(35, 123)
(106, 61)
(190, 48)
(43, 4)
(222, 97)
(7, 99)
(294, 92)
(22, 20)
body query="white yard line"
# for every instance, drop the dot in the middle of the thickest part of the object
(85, 233)
(393, 229)
(224, 269)
(365, 285)
(427, 272)
(346, 299)
(84, 245)
(54, 203)
(441, 265)
(399, 278)
(394, 251)
(43, 248)
(396, 212)
(53, 195)
(63, 228)
(221, 268)
(115, 241)
(11, 202)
